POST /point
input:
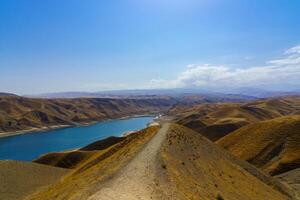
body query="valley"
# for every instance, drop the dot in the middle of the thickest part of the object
(237, 149)
(19, 114)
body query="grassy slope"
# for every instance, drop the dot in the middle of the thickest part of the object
(89, 174)
(197, 169)
(19, 179)
(272, 145)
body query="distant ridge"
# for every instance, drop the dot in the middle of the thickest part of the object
(141, 94)
(262, 93)
(245, 92)
(3, 94)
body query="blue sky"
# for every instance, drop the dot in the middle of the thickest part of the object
(77, 45)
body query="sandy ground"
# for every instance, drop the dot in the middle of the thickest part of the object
(137, 179)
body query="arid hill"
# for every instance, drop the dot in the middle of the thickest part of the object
(172, 163)
(215, 120)
(18, 113)
(73, 158)
(19, 179)
(272, 145)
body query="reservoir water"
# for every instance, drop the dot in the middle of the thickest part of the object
(29, 146)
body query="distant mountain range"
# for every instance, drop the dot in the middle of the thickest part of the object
(4, 94)
(244, 92)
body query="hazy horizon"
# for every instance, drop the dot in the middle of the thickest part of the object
(59, 46)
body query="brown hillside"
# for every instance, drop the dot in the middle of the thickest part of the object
(189, 157)
(173, 163)
(18, 113)
(218, 119)
(272, 145)
(19, 179)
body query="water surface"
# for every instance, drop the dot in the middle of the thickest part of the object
(31, 145)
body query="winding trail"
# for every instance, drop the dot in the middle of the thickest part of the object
(137, 179)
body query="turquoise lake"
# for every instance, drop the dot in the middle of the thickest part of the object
(29, 146)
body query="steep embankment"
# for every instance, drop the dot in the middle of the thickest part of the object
(271, 145)
(215, 120)
(177, 163)
(19, 179)
(73, 158)
(18, 113)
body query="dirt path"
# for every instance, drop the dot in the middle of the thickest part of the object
(136, 180)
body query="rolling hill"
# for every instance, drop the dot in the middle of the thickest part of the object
(19, 179)
(170, 163)
(18, 113)
(272, 145)
(215, 120)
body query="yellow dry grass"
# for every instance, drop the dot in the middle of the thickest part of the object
(200, 170)
(272, 145)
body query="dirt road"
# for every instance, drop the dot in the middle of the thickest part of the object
(137, 179)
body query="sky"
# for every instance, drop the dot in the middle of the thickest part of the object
(78, 45)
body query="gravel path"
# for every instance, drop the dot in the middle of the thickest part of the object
(135, 180)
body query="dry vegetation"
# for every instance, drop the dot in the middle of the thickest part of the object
(271, 145)
(264, 132)
(184, 165)
(87, 177)
(200, 170)
(19, 179)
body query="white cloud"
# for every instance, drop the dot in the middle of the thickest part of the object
(284, 71)
(292, 57)
(293, 50)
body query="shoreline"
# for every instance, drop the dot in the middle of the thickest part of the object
(54, 127)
